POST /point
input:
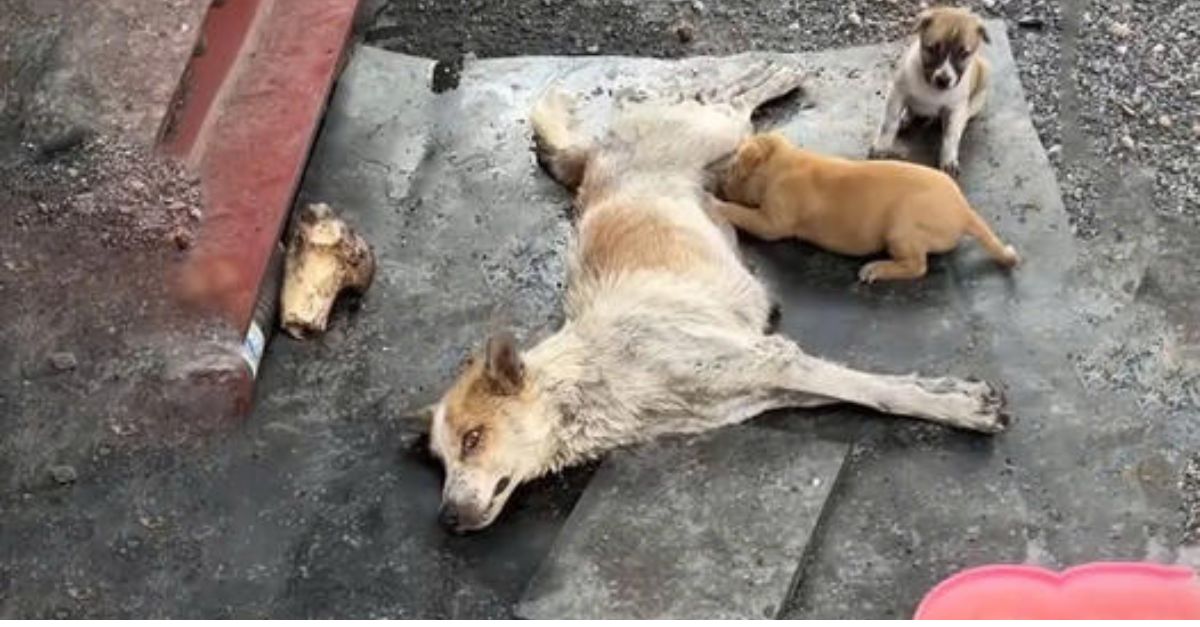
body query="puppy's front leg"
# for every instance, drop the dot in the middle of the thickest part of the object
(757, 222)
(954, 122)
(884, 145)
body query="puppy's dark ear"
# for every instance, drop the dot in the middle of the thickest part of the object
(504, 368)
(923, 21)
(983, 34)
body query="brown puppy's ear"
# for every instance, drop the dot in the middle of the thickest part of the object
(923, 21)
(504, 368)
(752, 152)
(983, 34)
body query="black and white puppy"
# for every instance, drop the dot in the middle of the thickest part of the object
(941, 76)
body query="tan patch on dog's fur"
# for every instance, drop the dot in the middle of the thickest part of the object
(622, 238)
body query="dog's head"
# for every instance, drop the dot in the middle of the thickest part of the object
(490, 433)
(949, 38)
(751, 154)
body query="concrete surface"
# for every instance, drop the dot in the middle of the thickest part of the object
(707, 527)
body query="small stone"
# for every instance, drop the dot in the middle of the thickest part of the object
(1054, 150)
(1128, 142)
(136, 185)
(63, 475)
(1158, 49)
(63, 361)
(195, 213)
(1031, 22)
(1164, 121)
(794, 26)
(1119, 30)
(1196, 129)
(698, 7)
(593, 49)
(181, 237)
(1122, 49)
(72, 172)
(989, 4)
(685, 32)
(854, 18)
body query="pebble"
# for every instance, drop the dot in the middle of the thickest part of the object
(1164, 121)
(1128, 142)
(854, 18)
(1119, 30)
(593, 49)
(698, 7)
(63, 474)
(181, 238)
(1030, 21)
(685, 32)
(63, 361)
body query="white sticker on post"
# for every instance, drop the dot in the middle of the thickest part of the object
(252, 348)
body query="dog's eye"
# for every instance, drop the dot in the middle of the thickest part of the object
(470, 440)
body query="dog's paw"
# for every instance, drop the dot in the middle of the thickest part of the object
(991, 416)
(950, 166)
(869, 273)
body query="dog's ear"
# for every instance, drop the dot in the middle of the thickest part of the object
(983, 34)
(504, 368)
(923, 21)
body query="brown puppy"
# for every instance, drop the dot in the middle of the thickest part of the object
(851, 207)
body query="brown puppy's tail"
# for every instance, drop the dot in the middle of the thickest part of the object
(1004, 254)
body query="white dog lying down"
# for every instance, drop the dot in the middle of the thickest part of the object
(665, 326)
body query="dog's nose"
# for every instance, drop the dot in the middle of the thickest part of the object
(448, 516)
(941, 81)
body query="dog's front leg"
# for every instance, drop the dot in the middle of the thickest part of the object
(884, 146)
(954, 123)
(780, 365)
(758, 222)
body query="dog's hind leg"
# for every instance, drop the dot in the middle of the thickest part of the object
(775, 373)
(908, 262)
(560, 151)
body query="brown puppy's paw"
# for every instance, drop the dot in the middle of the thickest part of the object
(869, 273)
(951, 167)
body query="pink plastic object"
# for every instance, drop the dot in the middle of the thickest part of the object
(1113, 591)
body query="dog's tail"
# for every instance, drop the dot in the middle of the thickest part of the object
(559, 152)
(1004, 254)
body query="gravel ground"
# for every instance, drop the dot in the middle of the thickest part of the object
(1114, 86)
(1191, 491)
